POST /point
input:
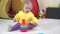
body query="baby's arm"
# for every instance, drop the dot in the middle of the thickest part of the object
(34, 20)
(16, 18)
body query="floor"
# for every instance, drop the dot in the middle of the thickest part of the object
(45, 26)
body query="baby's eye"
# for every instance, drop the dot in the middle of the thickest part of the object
(27, 8)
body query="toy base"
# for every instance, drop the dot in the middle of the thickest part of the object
(23, 30)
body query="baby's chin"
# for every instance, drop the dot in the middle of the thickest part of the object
(27, 11)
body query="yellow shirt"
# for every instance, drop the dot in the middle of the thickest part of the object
(27, 16)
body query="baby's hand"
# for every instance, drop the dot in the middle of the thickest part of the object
(14, 20)
(35, 24)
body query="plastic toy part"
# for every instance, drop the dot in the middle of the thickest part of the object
(23, 22)
(23, 27)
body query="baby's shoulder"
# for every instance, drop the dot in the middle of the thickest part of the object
(31, 13)
(20, 11)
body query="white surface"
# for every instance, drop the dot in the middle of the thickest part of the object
(47, 26)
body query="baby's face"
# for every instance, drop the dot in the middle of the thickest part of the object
(26, 8)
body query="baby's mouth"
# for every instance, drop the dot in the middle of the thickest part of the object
(27, 11)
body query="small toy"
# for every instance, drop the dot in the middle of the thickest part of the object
(41, 13)
(23, 27)
(40, 33)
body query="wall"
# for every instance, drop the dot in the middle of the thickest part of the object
(48, 3)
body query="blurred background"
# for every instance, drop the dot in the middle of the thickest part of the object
(9, 8)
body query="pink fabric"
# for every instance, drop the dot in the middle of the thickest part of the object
(8, 6)
(35, 7)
